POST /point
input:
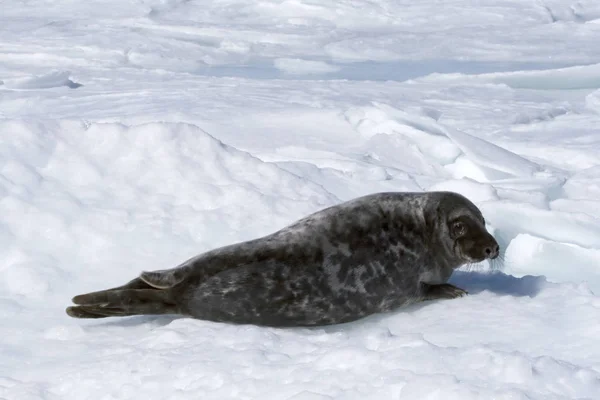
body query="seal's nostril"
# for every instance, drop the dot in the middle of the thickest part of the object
(492, 252)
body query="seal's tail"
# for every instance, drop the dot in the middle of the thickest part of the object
(123, 301)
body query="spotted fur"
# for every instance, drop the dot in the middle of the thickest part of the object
(369, 255)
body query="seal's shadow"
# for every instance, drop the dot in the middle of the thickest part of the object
(472, 281)
(497, 282)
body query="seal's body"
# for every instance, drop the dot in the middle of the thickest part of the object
(368, 255)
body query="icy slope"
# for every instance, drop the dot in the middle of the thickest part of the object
(90, 205)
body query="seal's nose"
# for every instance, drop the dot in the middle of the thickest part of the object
(492, 251)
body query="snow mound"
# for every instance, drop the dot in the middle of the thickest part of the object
(151, 173)
(47, 81)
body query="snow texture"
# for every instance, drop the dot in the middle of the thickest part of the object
(137, 134)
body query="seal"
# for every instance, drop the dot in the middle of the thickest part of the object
(369, 255)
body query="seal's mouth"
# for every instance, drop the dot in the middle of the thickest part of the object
(473, 260)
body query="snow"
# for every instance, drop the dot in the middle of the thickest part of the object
(135, 135)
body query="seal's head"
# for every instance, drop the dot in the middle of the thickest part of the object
(462, 230)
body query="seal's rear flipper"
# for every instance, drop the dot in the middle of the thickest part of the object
(95, 312)
(83, 312)
(136, 283)
(121, 303)
(163, 279)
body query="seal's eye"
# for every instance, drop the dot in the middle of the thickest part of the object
(459, 228)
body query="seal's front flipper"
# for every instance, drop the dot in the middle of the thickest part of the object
(122, 303)
(443, 291)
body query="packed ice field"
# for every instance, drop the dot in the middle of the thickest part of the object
(137, 134)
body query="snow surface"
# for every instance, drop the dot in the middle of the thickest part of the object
(137, 134)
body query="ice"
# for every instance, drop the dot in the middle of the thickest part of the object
(295, 66)
(584, 184)
(420, 131)
(592, 101)
(524, 256)
(544, 115)
(462, 153)
(572, 227)
(134, 135)
(570, 78)
(476, 191)
(50, 80)
(491, 156)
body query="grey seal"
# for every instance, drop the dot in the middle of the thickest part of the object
(372, 254)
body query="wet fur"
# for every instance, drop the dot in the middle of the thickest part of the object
(368, 255)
